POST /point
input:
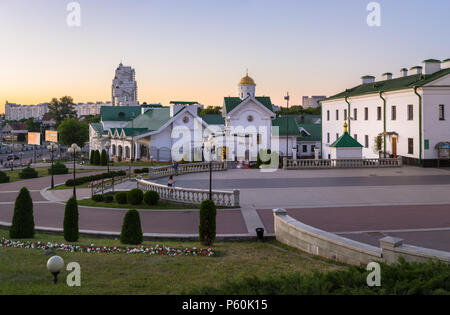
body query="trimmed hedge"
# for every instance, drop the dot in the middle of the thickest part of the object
(97, 157)
(108, 198)
(28, 173)
(58, 169)
(88, 179)
(98, 198)
(121, 198)
(135, 196)
(71, 233)
(3, 178)
(131, 229)
(151, 198)
(104, 158)
(141, 171)
(23, 219)
(207, 227)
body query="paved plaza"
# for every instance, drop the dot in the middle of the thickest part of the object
(361, 204)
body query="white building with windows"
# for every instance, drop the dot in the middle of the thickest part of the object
(124, 87)
(410, 114)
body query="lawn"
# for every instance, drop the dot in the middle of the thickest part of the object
(42, 172)
(23, 271)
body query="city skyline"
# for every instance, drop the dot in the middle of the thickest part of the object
(199, 50)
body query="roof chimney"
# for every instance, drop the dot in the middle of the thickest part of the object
(404, 72)
(416, 70)
(431, 66)
(446, 64)
(368, 79)
(387, 76)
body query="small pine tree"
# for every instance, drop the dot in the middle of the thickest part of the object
(97, 157)
(131, 229)
(104, 158)
(23, 219)
(92, 157)
(207, 227)
(71, 233)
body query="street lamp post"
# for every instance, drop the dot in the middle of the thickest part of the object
(210, 146)
(287, 125)
(52, 148)
(107, 147)
(74, 149)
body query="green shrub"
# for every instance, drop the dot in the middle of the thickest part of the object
(400, 279)
(3, 178)
(109, 198)
(71, 233)
(135, 196)
(137, 171)
(207, 227)
(97, 157)
(92, 157)
(131, 229)
(23, 219)
(145, 170)
(28, 173)
(88, 179)
(98, 198)
(58, 169)
(151, 198)
(121, 198)
(104, 158)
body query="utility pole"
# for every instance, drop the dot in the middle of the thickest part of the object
(287, 125)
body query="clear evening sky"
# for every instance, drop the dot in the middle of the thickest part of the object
(199, 49)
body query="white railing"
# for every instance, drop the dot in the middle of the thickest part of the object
(190, 195)
(341, 163)
(164, 171)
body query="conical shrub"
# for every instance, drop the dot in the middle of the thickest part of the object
(131, 228)
(23, 220)
(97, 157)
(207, 227)
(104, 158)
(71, 233)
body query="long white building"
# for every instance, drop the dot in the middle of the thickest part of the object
(410, 114)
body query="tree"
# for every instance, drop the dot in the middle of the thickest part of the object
(92, 158)
(131, 229)
(97, 157)
(73, 131)
(104, 158)
(33, 126)
(211, 110)
(71, 233)
(207, 227)
(23, 219)
(61, 109)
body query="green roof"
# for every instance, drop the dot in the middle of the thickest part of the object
(98, 127)
(119, 113)
(308, 119)
(346, 141)
(401, 83)
(152, 120)
(212, 119)
(184, 102)
(231, 103)
(281, 123)
(132, 132)
(314, 130)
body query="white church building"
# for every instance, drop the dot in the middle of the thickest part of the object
(410, 114)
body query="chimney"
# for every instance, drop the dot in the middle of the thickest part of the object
(416, 70)
(368, 79)
(404, 72)
(387, 76)
(431, 66)
(446, 64)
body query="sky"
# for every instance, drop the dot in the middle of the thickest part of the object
(197, 50)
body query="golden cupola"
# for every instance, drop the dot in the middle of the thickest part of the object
(247, 81)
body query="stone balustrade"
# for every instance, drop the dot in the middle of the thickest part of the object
(165, 171)
(341, 163)
(190, 195)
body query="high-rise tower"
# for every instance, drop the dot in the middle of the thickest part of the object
(124, 87)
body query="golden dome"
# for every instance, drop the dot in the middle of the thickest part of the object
(247, 81)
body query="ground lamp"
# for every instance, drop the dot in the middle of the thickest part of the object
(55, 264)
(52, 148)
(74, 149)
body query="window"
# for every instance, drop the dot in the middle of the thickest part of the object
(410, 146)
(356, 137)
(328, 137)
(394, 112)
(337, 136)
(366, 113)
(345, 114)
(337, 114)
(304, 148)
(328, 115)
(410, 112)
(379, 113)
(366, 141)
(258, 138)
(441, 112)
(355, 114)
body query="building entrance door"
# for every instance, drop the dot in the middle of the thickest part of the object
(394, 147)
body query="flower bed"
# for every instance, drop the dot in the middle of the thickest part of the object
(158, 250)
